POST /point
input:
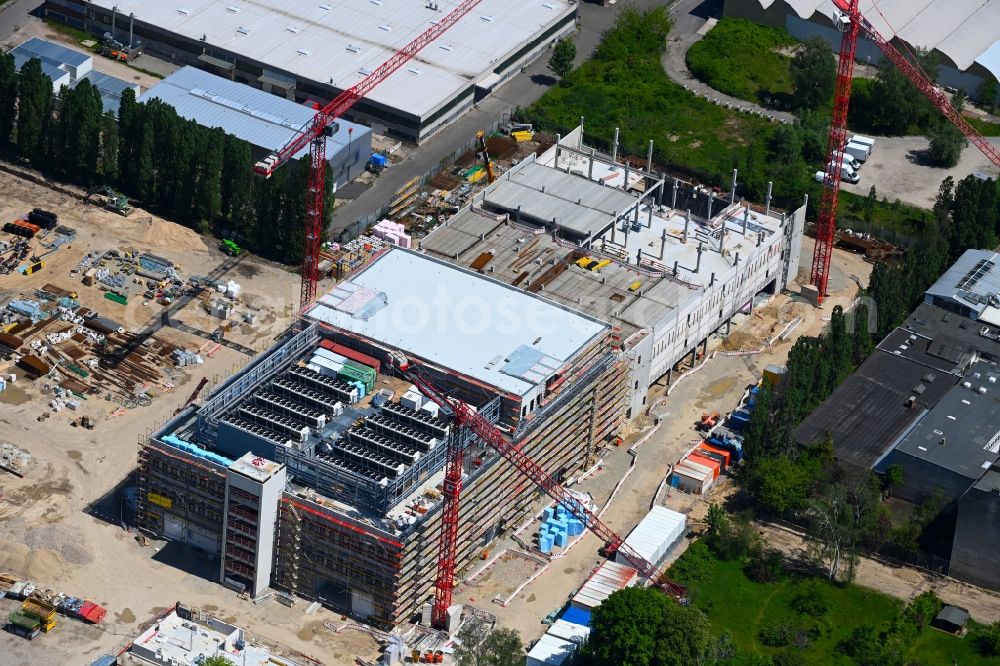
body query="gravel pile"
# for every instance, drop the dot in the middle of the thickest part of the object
(59, 539)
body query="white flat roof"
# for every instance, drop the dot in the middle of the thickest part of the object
(334, 41)
(458, 320)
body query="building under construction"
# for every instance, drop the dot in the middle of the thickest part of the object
(667, 263)
(317, 471)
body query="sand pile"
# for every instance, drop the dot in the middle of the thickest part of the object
(41, 564)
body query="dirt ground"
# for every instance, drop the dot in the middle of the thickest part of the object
(55, 524)
(898, 169)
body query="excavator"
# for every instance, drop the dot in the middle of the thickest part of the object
(103, 195)
(484, 155)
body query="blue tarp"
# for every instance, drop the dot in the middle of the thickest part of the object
(577, 616)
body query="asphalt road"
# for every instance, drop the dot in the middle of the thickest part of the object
(14, 14)
(522, 90)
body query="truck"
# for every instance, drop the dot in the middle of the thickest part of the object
(864, 141)
(858, 151)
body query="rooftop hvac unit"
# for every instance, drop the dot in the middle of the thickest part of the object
(401, 451)
(288, 387)
(420, 420)
(256, 430)
(352, 466)
(383, 464)
(290, 427)
(402, 430)
(342, 390)
(313, 417)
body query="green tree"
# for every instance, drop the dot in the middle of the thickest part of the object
(781, 484)
(986, 93)
(990, 642)
(814, 73)
(129, 133)
(861, 340)
(482, 645)
(893, 477)
(34, 102)
(895, 105)
(217, 660)
(208, 197)
(946, 144)
(840, 516)
(108, 162)
(83, 131)
(643, 627)
(563, 55)
(8, 97)
(237, 186)
(868, 207)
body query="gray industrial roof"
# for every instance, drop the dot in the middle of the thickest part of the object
(960, 432)
(258, 117)
(931, 322)
(989, 482)
(339, 42)
(869, 410)
(575, 202)
(963, 30)
(970, 281)
(111, 89)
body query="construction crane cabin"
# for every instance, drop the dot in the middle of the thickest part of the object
(851, 23)
(323, 125)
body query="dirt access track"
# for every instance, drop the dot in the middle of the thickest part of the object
(61, 524)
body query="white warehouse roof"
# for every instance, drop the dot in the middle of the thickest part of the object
(459, 320)
(608, 579)
(338, 42)
(965, 31)
(258, 117)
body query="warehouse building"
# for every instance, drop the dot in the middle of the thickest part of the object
(68, 67)
(977, 533)
(265, 121)
(317, 470)
(667, 264)
(961, 34)
(314, 50)
(970, 288)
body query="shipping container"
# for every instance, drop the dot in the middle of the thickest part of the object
(364, 359)
(712, 455)
(707, 462)
(654, 535)
(691, 480)
(722, 452)
(606, 580)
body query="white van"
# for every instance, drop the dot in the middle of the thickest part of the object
(846, 159)
(847, 174)
(858, 151)
(864, 141)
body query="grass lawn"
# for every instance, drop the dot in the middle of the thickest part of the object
(985, 128)
(892, 216)
(624, 86)
(742, 59)
(735, 604)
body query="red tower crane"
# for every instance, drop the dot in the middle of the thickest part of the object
(323, 124)
(465, 415)
(851, 22)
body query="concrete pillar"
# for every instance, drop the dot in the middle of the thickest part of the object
(558, 139)
(581, 128)
(694, 355)
(704, 348)
(746, 219)
(659, 192)
(737, 261)
(711, 200)
(673, 198)
(732, 189)
(670, 375)
(729, 325)
(517, 214)
(767, 199)
(711, 280)
(131, 25)
(701, 248)
(675, 268)
(625, 188)
(638, 257)
(649, 218)
(663, 243)
(635, 213)
(114, 14)
(614, 148)
(590, 169)
(649, 158)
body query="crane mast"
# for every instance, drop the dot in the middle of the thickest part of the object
(322, 125)
(465, 415)
(851, 23)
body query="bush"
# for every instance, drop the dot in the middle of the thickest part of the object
(741, 58)
(694, 565)
(810, 600)
(989, 642)
(947, 143)
(923, 609)
(776, 634)
(767, 567)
